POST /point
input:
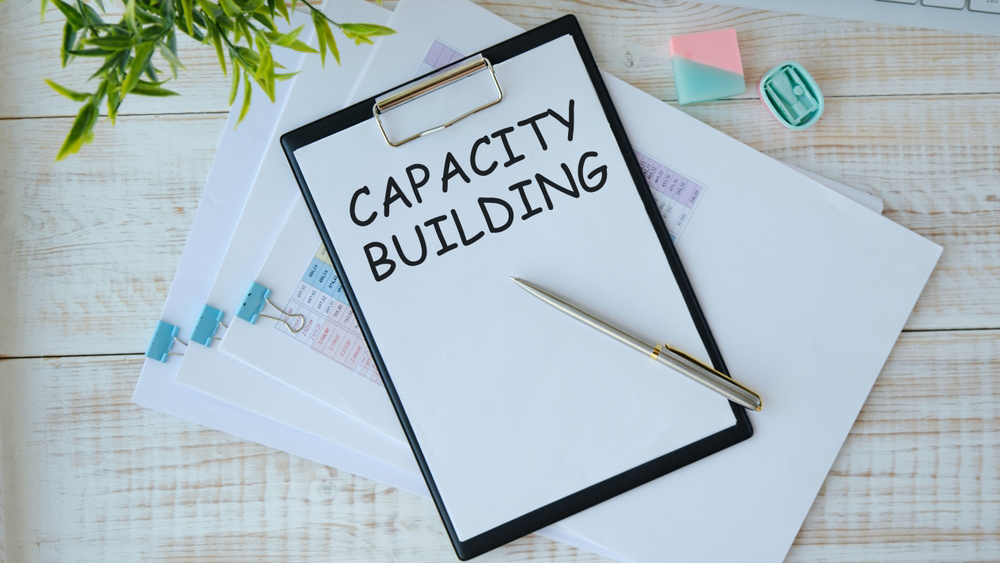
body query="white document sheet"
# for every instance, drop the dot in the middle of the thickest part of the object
(328, 358)
(482, 369)
(226, 191)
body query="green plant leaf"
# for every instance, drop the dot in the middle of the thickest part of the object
(69, 38)
(320, 37)
(284, 75)
(366, 29)
(91, 52)
(283, 10)
(331, 42)
(171, 58)
(264, 20)
(143, 54)
(111, 43)
(74, 18)
(81, 131)
(230, 8)
(247, 93)
(187, 6)
(149, 89)
(91, 15)
(236, 81)
(100, 4)
(75, 96)
(210, 10)
(218, 49)
(130, 17)
(253, 5)
(110, 63)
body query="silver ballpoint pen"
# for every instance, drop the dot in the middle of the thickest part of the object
(663, 353)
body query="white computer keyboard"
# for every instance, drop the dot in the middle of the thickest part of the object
(975, 16)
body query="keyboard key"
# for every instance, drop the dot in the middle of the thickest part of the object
(990, 6)
(953, 4)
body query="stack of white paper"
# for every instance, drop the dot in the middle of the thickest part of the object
(788, 272)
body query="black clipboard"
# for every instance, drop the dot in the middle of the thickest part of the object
(534, 520)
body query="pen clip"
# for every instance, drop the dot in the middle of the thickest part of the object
(659, 347)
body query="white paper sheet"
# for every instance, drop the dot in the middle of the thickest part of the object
(326, 373)
(226, 191)
(481, 368)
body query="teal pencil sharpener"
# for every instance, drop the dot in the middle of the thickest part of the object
(792, 96)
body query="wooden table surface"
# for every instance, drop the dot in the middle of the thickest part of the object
(88, 248)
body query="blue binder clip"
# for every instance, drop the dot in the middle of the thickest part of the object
(253, 304)
(162, 341)
(208, 325)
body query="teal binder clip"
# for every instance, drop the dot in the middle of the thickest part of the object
(792, 96)
(253, 303)
(208, 325)
(162, 341)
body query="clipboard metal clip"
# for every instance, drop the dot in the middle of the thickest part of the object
(449, 75)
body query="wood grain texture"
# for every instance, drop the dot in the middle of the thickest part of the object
(100, 479)
(88, 248)
(629, 40)
(919, 476)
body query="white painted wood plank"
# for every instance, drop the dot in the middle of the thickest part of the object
(88, 248)
(99, 479)
(919, 476)
(94, 478)
(629, 40)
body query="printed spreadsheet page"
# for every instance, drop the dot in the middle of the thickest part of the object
(490, 377)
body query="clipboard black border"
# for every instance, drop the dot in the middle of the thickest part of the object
(613, 486)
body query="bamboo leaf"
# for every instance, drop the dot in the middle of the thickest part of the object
(130, 17)
(318, 22)
(90, 14)
(73, 95)
(264, 20)
(230, 8)
(284, 75)
(253, 5)
(91, 52)
(81, 131)
(110, 63)
(283, 10)
(74, 18)
(171, 58)
(247, 93)
(236, 82)
(69, 38)
(188, 7)
(366, 29)
(210, 10)
(149, 89)
(111, 43)
(331, 42)
(218, 49)
(143, 54)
